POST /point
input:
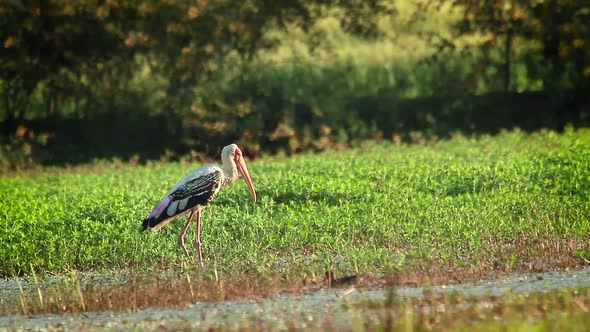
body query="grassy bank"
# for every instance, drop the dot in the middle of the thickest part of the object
(505, 202)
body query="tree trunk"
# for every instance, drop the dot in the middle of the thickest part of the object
(10, 122)
(507, 60)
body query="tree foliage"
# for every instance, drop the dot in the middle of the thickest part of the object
(56, 41)
(560, 28)
(147, 70)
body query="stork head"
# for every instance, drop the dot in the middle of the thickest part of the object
(234, 152)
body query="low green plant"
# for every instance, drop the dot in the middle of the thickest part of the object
(510, 201)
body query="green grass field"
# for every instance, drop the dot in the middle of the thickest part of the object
(504, 202)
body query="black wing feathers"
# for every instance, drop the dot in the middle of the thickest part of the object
(201, 188)
(198, 192)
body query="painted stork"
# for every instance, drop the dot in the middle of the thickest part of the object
(196, 190)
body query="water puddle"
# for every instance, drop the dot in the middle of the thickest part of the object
(305, 311)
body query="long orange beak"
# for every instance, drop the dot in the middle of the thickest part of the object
(244, 171)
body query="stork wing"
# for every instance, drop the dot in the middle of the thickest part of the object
(203, 186)
(194, 191)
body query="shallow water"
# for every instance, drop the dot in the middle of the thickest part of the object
(309, 310)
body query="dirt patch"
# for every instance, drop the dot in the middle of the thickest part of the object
(131, 291)
(516, 295)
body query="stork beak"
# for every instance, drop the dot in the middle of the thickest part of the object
(244, 171)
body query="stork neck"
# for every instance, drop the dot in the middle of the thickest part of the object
(230, 169)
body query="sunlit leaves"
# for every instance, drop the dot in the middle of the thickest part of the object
(560, 28)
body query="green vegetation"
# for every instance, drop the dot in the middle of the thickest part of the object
(150, 78)
(426, 195)
(505, 202)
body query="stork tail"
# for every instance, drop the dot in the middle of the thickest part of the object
(155, 216)
(149, 223)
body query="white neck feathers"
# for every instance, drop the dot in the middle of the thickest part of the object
(230, 170)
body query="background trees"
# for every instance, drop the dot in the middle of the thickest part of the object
(555, 33)
(84, 79)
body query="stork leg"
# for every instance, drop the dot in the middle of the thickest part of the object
(198, 237)
(183, 234)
